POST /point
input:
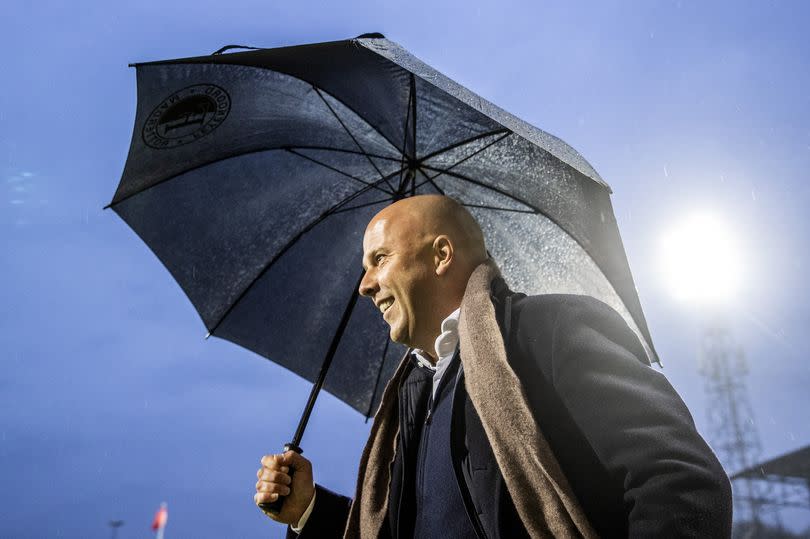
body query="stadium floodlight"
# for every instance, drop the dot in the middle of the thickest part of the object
(701, 261)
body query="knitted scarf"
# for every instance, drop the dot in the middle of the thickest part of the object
(541, 494)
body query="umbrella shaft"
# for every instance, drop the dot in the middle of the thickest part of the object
(327, 361)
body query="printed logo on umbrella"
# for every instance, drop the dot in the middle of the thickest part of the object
(186, 116)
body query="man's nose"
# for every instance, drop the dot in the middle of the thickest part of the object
(368, 285)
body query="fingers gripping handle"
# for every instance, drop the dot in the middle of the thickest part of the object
(275, 507)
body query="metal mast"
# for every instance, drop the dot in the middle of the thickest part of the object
(732, 429)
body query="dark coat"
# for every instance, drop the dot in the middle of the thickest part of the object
(622, 435)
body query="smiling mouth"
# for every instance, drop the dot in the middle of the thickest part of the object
(385, 305)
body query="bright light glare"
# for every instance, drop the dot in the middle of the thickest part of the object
(701, 261)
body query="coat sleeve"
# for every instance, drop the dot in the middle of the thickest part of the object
(637, 425)
(328, 517)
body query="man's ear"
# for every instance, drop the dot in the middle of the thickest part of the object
(442, 254)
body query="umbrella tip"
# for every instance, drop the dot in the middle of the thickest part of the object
(207, 335)
(371, 35)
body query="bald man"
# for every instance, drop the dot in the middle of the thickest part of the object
(630, 459)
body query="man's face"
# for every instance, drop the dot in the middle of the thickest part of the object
(399, 278)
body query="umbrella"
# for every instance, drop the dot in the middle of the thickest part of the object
(251, 175)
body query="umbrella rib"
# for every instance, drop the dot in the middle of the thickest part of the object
(370, 160)
(377, 381)
(485, 186)
(463, 142)
(288, 245)
(413, 112)
(413, 128)
(225, 158)
(342, 150)
(497, 208)
(330, 167)
(362, 205)
(476, 152)
(428, 180)
(358, 193)
(405, 131)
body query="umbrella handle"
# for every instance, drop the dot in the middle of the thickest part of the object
(275, 507)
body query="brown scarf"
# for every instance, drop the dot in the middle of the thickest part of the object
(542, 496)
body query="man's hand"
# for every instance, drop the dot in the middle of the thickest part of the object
(274, 481)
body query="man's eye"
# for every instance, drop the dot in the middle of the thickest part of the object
(378, 259)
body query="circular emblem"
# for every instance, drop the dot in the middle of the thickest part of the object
(186, 116)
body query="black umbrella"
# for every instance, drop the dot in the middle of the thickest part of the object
(252, 175)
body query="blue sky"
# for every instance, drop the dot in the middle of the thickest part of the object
(110, 399)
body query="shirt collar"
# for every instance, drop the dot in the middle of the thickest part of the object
(446, 342)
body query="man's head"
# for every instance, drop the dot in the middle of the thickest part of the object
(418, 254)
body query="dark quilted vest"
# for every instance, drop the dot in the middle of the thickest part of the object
(439, 507)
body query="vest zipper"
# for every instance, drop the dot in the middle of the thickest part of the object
(421, 462)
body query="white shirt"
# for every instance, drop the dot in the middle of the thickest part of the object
(445, 347)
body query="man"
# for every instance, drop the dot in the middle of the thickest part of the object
(515, 417)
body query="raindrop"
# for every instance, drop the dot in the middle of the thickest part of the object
(753, 195)
(666, 172)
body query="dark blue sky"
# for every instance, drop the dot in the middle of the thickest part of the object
(110, 399)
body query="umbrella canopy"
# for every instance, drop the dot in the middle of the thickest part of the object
(252, 175)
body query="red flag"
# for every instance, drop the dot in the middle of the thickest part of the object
(161, 517)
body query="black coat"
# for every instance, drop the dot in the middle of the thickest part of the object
(623, 437)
